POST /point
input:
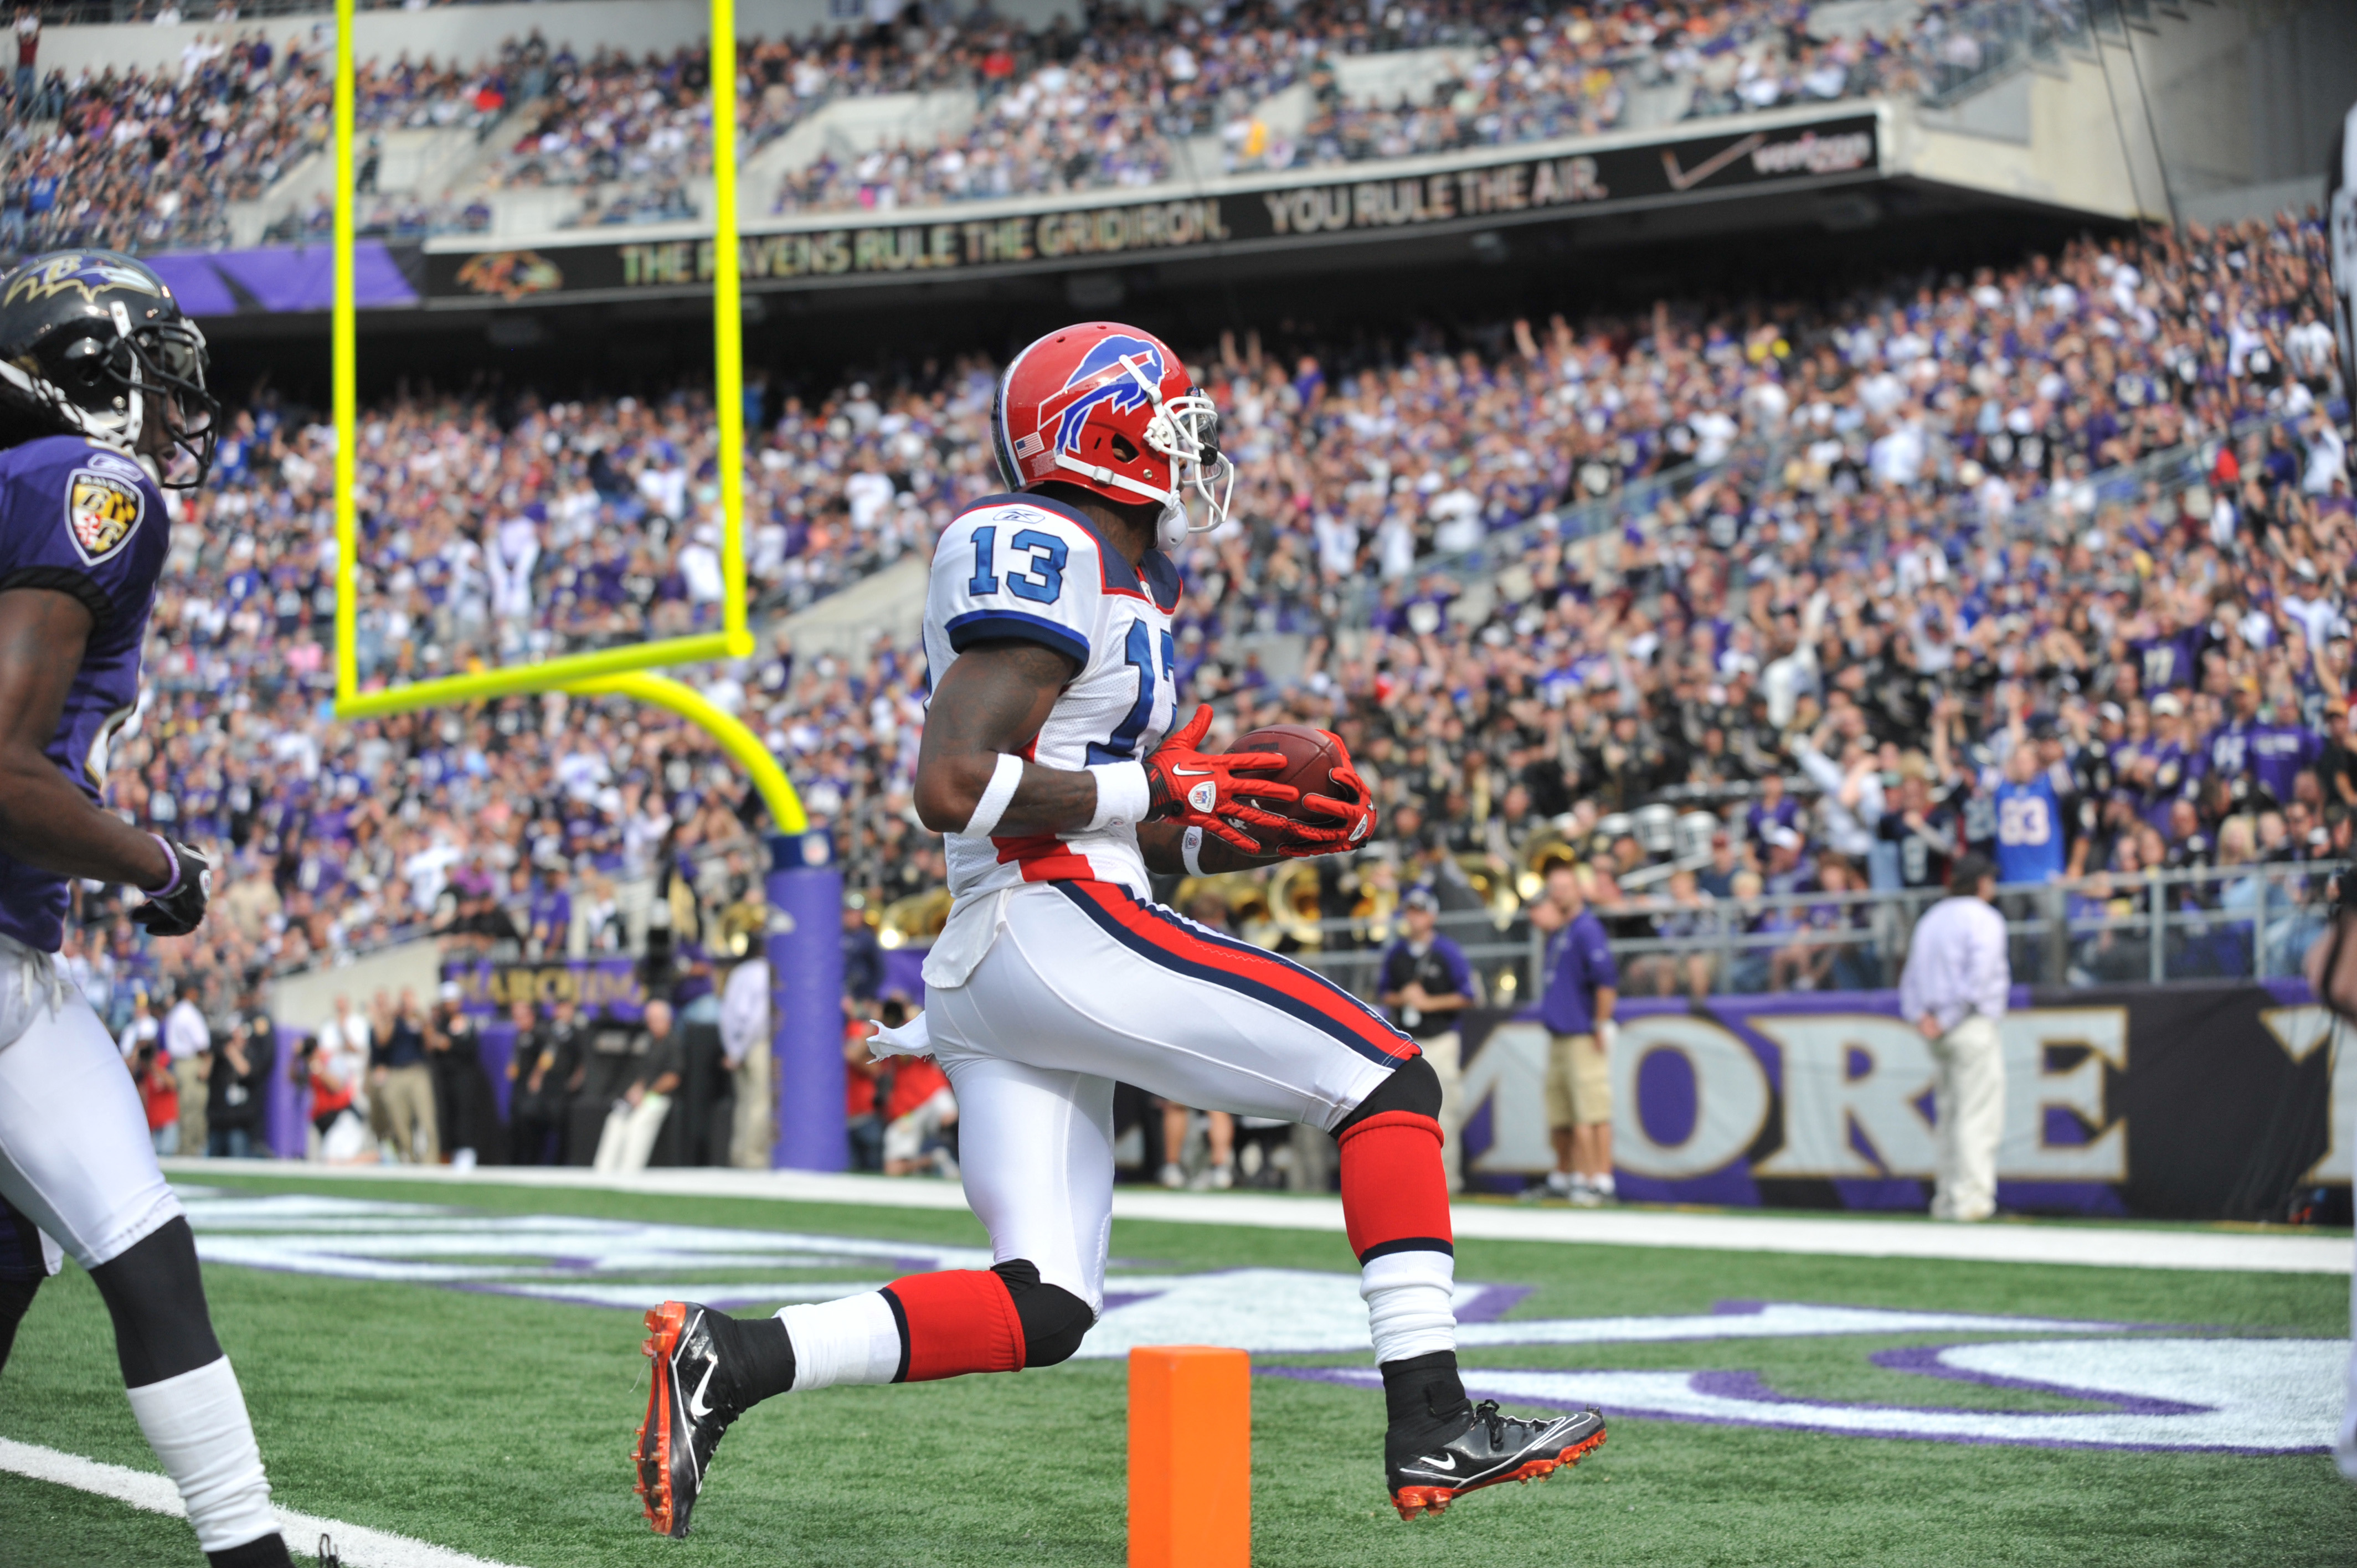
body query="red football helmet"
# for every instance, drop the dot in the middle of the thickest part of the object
(1109, 408)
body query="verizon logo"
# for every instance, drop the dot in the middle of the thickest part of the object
(1813, 154)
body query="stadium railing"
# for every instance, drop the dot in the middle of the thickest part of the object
(2007, 35)
(2253, 922)
(105, 13)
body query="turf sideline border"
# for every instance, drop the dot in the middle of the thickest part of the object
(2079, 1243)
(359, 1546)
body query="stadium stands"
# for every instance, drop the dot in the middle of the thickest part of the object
(155, 160)
(1554, 582)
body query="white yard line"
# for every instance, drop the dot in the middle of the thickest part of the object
(359, 1546)
(2061, 1242)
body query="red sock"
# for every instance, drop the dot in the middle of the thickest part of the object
(1394, 1190)
(955, 1322)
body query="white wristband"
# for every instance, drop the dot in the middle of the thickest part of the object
(1122, 794)
(1191, 849)
(995, 797)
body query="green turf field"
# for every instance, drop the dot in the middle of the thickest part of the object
(501, 1426)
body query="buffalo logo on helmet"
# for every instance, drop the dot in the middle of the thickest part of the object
(1090, 388)
(71, 271)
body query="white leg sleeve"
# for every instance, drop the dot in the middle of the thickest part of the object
(855, 1340)
(197, 1424)
(1035, 1152)
(1410, 1304)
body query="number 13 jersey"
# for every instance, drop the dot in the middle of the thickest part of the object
(1026, 568)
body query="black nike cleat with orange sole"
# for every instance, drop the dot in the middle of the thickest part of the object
(688, 1409)
(1482, 1447)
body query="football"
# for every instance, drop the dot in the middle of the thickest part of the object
(1311, 754)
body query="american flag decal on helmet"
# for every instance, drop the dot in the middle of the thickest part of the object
(1030, 447)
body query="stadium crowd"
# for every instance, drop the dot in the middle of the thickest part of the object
(1861, 562)
(147, 160)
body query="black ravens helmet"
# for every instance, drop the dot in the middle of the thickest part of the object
(93, 343)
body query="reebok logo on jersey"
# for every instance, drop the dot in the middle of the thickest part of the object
(102, 511)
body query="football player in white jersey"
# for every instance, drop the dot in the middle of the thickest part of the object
(1048, 636)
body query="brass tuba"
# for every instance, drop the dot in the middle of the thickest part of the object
(918, 918)
(1294, 907)
(1242, 894)
(741, 928)
(1542, 852)
(1496, 888)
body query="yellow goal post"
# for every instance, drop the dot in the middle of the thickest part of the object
(623, 670)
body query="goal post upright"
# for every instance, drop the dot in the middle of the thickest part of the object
(734, 639)
(343, 352)
(805, 886)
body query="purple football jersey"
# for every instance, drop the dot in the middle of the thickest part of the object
(83, 519)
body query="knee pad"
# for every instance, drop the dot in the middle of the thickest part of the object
(1054, 1320)
(1413, 1087)
(156, 1297)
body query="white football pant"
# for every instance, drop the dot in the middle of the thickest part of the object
(75, 1156)
(1087, 985)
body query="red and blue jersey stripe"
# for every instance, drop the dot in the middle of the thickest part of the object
(1173, 943)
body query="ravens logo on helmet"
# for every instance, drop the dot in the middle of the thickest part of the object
(93, 344)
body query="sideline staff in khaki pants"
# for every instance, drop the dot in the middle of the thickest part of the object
(189, 1041)
(1425, 983)
(401, 1086)
(745, 1042)
(1953, 992)
(1583, 989)
(637, 1118)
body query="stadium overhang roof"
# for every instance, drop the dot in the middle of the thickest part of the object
(1838, 166)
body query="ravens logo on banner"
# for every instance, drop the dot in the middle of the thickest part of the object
(102, 511)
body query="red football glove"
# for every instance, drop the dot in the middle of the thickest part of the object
(1350, 814)
(1203, 790)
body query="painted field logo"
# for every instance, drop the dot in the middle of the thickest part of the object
(2173, 1393)
(2140, 1387)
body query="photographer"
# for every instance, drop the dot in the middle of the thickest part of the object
(159, 1095)
(234, 1091)
(464, 1108)
(334, 1066)
(542, 1073)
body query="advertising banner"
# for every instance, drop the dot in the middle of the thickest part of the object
(293, 278)
(1284, 211)
(2184, 1101)
(487, 990)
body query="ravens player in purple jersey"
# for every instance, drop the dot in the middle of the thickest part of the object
(102, 401)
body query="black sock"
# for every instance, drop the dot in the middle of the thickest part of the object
(16, 1300)
(263, 1551)
(762, 1359)
(1424, 1388)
